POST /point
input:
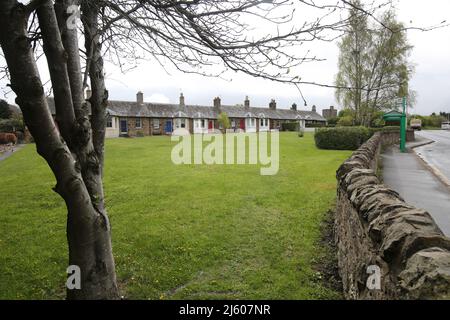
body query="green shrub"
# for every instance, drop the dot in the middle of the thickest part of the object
(11, 125)
(139, 133)
(346, 121)
(290, 126)
(332, 122)
(341, 138)
(316, 125)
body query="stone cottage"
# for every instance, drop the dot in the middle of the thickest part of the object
(139, 118)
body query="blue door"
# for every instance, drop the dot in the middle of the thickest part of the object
(168, 127)
(123, 126)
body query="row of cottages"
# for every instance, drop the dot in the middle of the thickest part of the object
(127, 118)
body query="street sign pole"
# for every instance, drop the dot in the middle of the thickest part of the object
(403, 128)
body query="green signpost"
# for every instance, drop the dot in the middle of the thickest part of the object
(400, 117)
(403, 128)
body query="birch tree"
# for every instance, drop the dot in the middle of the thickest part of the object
(374, 61)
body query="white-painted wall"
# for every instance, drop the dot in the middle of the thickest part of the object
(264, 124)
(200, 127)
(113, 132)
(250, 125)
(178, 123)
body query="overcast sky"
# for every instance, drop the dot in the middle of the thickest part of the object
(431, 55)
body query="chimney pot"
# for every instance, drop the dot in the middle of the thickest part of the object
(314, 109)
(247, 102)
(140, 97)
(217, 102)
(182, 100)
(294, 107)
(273, 104)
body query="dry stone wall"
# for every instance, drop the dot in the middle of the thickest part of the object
(378, 233)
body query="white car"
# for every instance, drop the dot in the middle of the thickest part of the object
(445, 125)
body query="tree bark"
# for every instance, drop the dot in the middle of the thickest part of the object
(99, 96)
(88, 228)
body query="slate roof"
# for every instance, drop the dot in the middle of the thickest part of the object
(163, 110)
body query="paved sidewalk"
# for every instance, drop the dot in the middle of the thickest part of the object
(408, 175)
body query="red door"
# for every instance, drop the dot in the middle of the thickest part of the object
(210, 124)
(242, 124)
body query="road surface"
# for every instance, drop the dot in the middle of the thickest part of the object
(436, 154)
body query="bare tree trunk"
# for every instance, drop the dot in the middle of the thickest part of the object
(99, 97)
(88, 229)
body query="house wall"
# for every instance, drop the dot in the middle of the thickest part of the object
(113, 132)
(147, 128)
(133, 130)
(197, 128)
(248, 125)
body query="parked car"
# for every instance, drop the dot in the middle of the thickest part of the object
(416, 124)
(445, 125)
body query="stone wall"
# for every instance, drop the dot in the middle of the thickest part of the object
(376, 228)
(393, 137)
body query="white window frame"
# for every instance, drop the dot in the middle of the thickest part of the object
(109, 120)
(155, 123)
(136, 123)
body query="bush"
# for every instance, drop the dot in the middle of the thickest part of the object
(346, 121)
(290, 126)
(139, 133)
(11, 125)
(342, 138)
(332, 122)
(316, 125)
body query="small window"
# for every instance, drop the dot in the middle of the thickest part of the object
(155, 123)
(183, 123)
(203, 123)
(109, 122)
(138, 123)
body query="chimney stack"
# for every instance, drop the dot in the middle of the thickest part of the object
(294, 107)
(216, 102)
(182, 100)
(314, 108)
(140, 97)
(273, 104)
(246, 102)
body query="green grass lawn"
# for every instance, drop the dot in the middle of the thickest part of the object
(179, 232)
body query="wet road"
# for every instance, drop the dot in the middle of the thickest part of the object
(408, 175)
(436, 154)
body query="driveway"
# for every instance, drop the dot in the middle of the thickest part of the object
(436, 154)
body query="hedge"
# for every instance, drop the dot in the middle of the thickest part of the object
(341, 138)
(290, 126)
